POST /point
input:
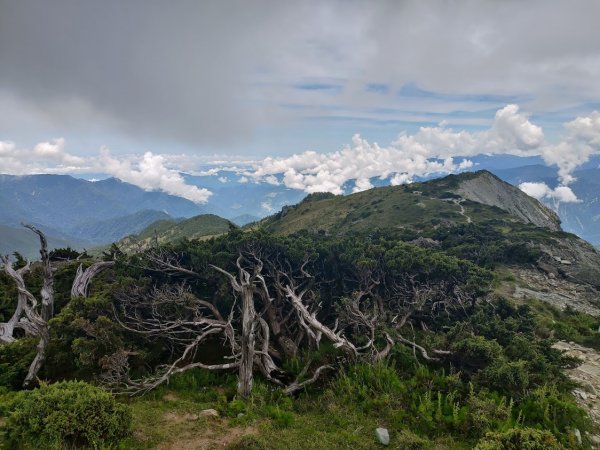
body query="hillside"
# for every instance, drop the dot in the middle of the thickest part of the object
(166, 231)
(110, 230)
(452, 200)
(476, 214)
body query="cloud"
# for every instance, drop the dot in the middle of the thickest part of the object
(267, 206)
(430, 150)
(212, 73)
(151, 173)
(513, 129)
(328, 172)
(55, 150)
(435, 150)
(541, 191)
(6, 148)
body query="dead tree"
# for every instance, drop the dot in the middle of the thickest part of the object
(175, 315)
(190, 326)
(29, 315)
(297, 288)
(245, 284)
(83, 277)
(7, 329)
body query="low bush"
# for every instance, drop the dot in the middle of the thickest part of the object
(70, 414)
(519, 439)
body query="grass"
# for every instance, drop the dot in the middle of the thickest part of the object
(166, 419)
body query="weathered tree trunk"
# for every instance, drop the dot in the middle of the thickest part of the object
(7, 329)
(84, 277)
(286, 344)
(47, 292)
(40, 357)
(246, 368)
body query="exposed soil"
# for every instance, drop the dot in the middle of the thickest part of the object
(217, 434)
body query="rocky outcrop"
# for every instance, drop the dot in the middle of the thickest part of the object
(557, 291)
(484, 187)
(573, 259)
(587, 377)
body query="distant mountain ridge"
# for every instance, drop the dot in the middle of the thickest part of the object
(165, 231)
(82, 213)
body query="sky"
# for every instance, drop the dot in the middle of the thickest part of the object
(310, 94)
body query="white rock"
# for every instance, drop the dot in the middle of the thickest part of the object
(209, 413)
(382, 436)
(578, 436)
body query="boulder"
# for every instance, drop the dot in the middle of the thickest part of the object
(209, 413)
(382, 436)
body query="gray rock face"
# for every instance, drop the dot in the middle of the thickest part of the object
(382, 436)
(490, 190)
(556, 290)
(574, 259)
(587, 375)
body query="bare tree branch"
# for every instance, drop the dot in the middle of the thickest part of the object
(84, 277)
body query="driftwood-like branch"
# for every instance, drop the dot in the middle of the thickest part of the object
(297, 385)
(312, 324)
(47, 291)
(30, 317)
(421, 349)
(84, 277)
(7, 329)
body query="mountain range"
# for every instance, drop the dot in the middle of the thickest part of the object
(83, 214)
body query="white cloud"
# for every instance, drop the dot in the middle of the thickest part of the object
(431, 150)
(151, 173)
(434, 150)
(514, 129)
(6, 148)
(55, 150)
(586, 129)
(362, 184)
(541, 191)
(267, 206)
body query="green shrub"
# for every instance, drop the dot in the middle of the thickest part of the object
(547, 408)
(519, 439)
(511, 377)
(488, 412)
(70, 414)
(15, 359)
(476, 352)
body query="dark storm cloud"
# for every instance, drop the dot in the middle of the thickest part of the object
(163, 68)
(212, 73)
